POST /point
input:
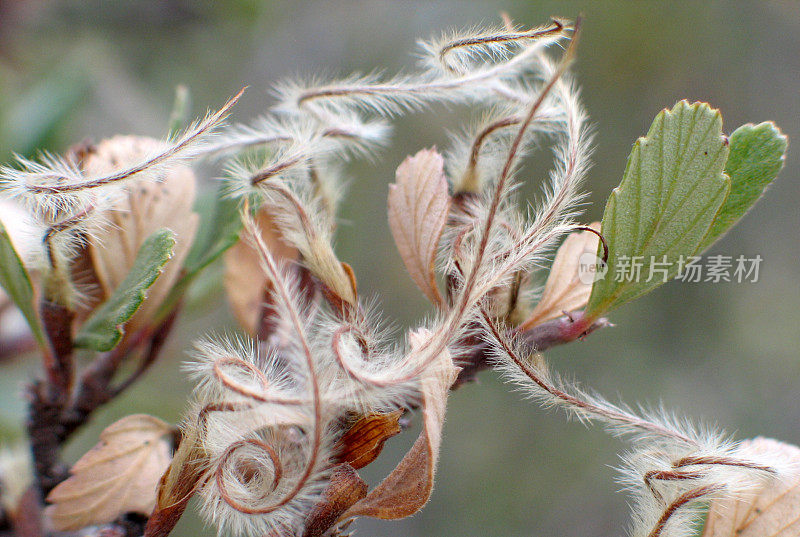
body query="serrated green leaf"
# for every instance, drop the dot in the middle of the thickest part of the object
(672, 188)
(17, 285)
(220, 226)
(756, 157)
(104, 328)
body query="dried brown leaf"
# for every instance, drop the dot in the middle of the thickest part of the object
(418, 207)
(178, 484)
(363, 442)
(407, 489)
(118, 475)
(344, 489)
(564, 290)
(146, 207)
(245, 281)
(772, 511)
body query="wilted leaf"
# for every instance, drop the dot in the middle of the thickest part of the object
(344, 489)
(119, 475)
(178, 484)
(176, 488)
(104, 327)
(672, 188)
(245, 281)
(146, 207)
(418, 206)
(772, 511)
(756, 157)
(407, 489)
(16, 283)
(363, 442)
(566, 288)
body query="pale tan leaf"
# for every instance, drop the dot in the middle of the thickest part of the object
(118, 475)
(418, 207)
(565, 290)
(16, 475)
(245, 281)
(407, 489)
(772, 511)
(146, 207)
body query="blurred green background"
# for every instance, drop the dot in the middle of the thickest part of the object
(724, 353)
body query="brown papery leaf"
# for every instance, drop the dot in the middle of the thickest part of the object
(178, 484)
(146, 207)
(418, 206)
(118, 475)
(245, 281)
(344, 489)
(772, 511)
(363, 442)
(407, 489)
(564, 290)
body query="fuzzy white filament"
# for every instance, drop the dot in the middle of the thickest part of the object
(55, 185)
(405, 92)
(674, 467)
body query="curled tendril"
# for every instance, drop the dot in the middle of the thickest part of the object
(237, 387)
(362, 376)
(277, 471)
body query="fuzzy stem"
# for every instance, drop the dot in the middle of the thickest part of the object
(420, 88)
(592, 409)
(555, 27)
(681, 501)
(187, 140)
(282, 291)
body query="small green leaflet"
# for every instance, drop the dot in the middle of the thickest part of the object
(672, 188)
(103, 329)
(16, 283)
(756, 157)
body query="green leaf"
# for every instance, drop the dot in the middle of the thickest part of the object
(17, 285)
(756, 157)
(104, 328)
(672, 188)
(220, 226)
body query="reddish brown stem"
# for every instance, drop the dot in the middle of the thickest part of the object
(58, 366)
(679, 502)
(666, 475)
